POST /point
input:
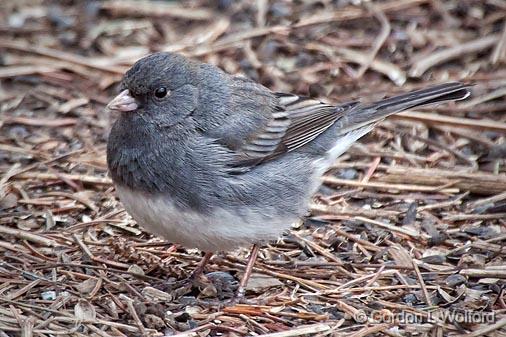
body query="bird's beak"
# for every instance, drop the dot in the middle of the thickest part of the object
(123, 102)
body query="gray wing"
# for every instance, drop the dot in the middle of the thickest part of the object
(297, 120)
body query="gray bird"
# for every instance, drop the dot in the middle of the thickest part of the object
(215, 161)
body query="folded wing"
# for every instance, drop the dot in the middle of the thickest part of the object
(298, 120)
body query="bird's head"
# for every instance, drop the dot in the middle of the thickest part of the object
(161, 87)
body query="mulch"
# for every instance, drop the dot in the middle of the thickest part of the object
(407, 234)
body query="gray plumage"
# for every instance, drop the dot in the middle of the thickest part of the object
(222, 161)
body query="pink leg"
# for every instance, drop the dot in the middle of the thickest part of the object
(247, 273)
(200, 268)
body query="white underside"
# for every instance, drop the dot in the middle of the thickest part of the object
(223, 229)
(343, 144)
(220, 231)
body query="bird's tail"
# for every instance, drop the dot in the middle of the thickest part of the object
(367, 114)
(453, 91)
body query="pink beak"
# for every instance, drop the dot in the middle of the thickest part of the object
(123, 102)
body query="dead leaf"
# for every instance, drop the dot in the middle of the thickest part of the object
(85, 311)
(156, 295)
(87, 286)
(259, 282)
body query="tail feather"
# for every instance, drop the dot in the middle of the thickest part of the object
(363, 115)
(452, 91)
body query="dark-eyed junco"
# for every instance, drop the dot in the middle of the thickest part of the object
(215, 161)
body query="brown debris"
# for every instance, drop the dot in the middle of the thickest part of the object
(409, 226)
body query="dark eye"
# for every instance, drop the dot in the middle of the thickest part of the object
(161, 92)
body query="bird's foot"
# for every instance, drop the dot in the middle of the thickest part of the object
(219, 304)
(219, 285)
(239, 298)
(195, 280)
(176, 288)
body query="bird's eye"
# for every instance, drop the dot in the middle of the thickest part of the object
(161, 92)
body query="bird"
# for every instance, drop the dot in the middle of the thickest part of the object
(216, 161)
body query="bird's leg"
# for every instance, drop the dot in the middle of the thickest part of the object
(247, 273)
(241, 290)
(182, 287)
(195, 275)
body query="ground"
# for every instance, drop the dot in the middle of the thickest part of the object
(406, 236)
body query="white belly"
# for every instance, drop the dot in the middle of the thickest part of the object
(221, 230)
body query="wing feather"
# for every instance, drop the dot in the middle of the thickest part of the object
(296, 122)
